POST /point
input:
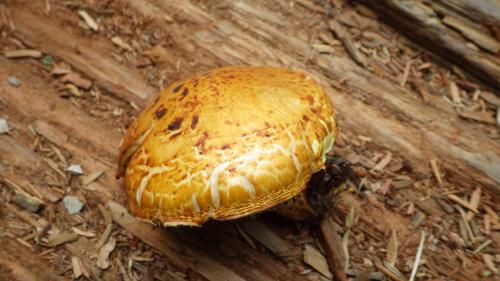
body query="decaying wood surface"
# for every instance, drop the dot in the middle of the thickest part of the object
(423, 141)
(464, 31)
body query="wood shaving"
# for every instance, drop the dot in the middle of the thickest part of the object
(23, 54)
(104, 252)
(418, 256)
(316, 260)
(392, 249)
(89, 20)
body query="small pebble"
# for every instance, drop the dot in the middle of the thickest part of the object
(14, 81)
(75, 169)
(72, 204)
(4, 127)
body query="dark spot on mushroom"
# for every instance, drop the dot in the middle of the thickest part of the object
(314, 110)
(267, 125)
(174, 135)
(176, 124)
(225, 146)
(184, 92)
(267, 134)
(194, 122)
(196, 82)
(305, 117)
(160, 112)
(178, 88)
(310, 99)
(201, 142)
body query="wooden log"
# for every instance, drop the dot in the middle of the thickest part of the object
(457, 30)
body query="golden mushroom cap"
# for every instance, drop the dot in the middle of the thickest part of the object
(224, 144)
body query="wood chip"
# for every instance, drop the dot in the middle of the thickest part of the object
(246, 237)
(462, 202)
(76, 79)
(24, 243)
(88, 20)
(490, 98)
(483, 40)
(436, 172)
(120, 43)
(106, 214)
(467, 225)
(83, 233)
(104, 236)
(323, 48)
(77, 266)
(406, 73)
(14, 54)
(73, 90)
(104, 252)
(453, 92)
(316, 260)
(344, 36)
(482, 246)
(22, 198)
(392, 249)
(475, 198)
(489, 261)
(27, 201)
(384, 162)
(480, 116)
(86, 180)
(61, 238)
(494, 217)
(267, 237)
(418, 256)
(332, 245)
(390, 270)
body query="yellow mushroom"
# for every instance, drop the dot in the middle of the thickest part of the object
(225, 144)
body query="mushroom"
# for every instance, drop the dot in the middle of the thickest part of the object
(232, 142)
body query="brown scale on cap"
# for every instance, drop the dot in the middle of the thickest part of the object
(250, 143)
